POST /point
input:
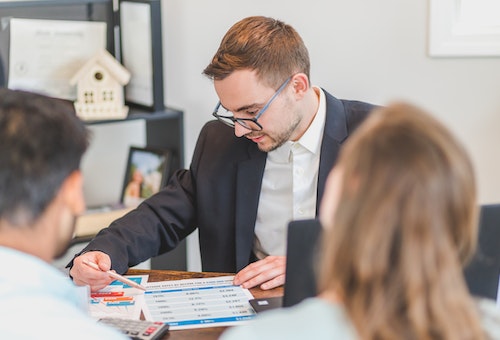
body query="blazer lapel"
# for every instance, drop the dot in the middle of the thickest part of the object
(248, 185)
(335, 133)
(251, 171)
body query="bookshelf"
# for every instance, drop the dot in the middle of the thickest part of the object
(164, 127)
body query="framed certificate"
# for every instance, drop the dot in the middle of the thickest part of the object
(141, 52)
(43, 43)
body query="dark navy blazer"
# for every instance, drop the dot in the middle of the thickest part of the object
(219, 195)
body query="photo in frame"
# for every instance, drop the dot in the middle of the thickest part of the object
(147, 171)
(141, 52)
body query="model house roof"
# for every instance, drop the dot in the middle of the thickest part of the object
(106, 60)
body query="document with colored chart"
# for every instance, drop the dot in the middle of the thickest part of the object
(118, 300)
(196, 303)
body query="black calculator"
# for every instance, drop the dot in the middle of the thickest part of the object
(138, 329)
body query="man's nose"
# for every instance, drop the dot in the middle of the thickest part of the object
(240, 131)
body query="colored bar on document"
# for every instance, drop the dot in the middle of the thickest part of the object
(120, 303)
(119, 298)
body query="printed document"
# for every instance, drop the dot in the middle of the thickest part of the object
(196, 303)
(118, 300)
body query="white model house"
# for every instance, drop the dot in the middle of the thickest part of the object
(99, 91)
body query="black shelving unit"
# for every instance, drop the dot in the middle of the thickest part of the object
(164, 127)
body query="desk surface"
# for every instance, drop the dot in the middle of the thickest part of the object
(198, 333)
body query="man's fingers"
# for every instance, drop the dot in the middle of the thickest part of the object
(268, 272)
(84, 275)
(276, 282)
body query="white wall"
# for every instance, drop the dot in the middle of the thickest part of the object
(373, 51)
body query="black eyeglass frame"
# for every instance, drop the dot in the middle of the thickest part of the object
(243, 121)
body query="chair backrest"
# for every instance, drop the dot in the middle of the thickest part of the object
(483, 271)
(301, 260)
(481, 274)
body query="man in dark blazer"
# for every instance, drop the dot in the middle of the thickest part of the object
(261, 75)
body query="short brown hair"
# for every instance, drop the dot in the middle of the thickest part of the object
(269, 46)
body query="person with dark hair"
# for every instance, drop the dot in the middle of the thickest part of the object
(262, 163)
(400, 220)
(41, 145)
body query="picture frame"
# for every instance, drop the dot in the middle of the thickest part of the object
(23, 49)
(142, 52)
(147, 172)
(464, 28)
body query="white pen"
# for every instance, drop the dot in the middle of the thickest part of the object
(116, 276)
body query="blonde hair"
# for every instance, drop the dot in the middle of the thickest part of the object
(404, 226)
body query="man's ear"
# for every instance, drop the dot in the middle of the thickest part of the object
(72, 192)
(300, 83)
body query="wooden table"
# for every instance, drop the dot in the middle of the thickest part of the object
(197, 333)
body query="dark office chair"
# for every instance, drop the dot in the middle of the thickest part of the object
(483, 271)
(301, 260)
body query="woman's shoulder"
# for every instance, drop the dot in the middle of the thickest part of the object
(313, 318)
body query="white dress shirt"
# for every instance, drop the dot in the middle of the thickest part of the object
(289, 186)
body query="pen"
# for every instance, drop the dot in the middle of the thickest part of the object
(116, 276)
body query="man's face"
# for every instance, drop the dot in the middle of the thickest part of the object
(73, 205)
(65, 236)
(244, 96)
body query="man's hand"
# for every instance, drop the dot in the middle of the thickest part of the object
(268, 273)
(83, 275)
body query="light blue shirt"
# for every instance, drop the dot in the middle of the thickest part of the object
(313, 318)
(316, 319)
(37, 301)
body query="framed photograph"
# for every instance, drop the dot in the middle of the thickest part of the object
(141, 52)
(148, 170)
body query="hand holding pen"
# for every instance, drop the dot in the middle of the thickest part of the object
(85, 275)
(116, 276)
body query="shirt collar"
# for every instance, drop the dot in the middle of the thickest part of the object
(311, 139)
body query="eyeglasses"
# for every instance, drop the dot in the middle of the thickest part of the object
(248, 123)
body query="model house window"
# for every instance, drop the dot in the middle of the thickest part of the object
(89, 97)
(107, 95)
